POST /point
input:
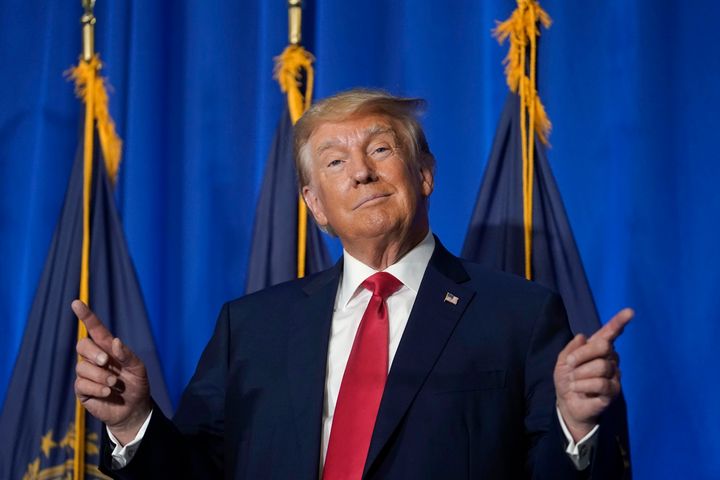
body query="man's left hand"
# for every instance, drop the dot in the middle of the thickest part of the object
(587, 376)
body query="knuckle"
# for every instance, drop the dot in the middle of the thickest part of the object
(86, 348)
(82, 369)
(80, 386)
(579, 356)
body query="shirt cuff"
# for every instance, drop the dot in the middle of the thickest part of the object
(121, 455)
(581, 451)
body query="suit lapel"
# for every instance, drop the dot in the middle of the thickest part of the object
(432, 321)
(307, 357)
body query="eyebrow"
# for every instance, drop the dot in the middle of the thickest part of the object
(371, 131)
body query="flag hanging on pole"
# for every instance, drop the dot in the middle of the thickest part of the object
(285, 245)
(519, 224)
(44, 432)
(274, 251)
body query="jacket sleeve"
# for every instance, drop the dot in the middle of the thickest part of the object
(191, 445)
(547, 458)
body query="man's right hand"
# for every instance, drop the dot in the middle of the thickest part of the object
(111, 380)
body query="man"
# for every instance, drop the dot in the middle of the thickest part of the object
(402, 361)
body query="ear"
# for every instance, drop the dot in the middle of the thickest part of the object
(427, 180)
(315, 205)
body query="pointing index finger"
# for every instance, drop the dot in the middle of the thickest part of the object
(97, 331)
(611, 330)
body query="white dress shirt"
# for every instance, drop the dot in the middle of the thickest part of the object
(350, 304)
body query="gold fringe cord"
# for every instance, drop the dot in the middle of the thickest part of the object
(522, 31)
(289, 66)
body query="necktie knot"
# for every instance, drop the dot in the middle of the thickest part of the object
(382, 284)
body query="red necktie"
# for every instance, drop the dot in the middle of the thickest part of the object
(362, 386)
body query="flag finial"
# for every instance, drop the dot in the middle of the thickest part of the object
(294, 22)
(88, 30)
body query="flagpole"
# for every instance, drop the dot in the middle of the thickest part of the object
(88, 51)
(294, 38)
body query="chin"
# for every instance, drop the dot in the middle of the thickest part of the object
(377, 225)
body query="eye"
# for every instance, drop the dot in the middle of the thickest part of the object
(380, 151)
(334, 163)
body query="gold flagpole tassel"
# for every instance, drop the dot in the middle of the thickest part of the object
(293, 67)
(522, 30)
(293, 70)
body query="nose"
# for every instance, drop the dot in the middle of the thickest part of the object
(362, 168)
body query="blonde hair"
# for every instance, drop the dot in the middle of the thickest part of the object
(402, 113)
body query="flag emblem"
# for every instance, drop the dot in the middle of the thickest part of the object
(450, 298)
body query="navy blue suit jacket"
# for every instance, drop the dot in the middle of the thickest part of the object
(470, 393)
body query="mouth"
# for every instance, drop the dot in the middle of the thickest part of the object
(371, 199)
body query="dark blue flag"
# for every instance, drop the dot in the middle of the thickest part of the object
(496, 236)
(273, 256)
(37, 423)
(496, 239)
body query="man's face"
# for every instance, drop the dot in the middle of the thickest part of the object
(362, 184)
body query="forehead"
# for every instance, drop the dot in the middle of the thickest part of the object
(349, 131)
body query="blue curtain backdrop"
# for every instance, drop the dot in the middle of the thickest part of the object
(631, 87)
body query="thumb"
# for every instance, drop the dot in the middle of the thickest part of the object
(578, 341)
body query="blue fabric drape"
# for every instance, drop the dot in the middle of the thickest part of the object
(631, 88)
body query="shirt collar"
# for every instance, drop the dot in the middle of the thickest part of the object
(409, 270)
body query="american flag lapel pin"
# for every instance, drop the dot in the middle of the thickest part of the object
(450, 298)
